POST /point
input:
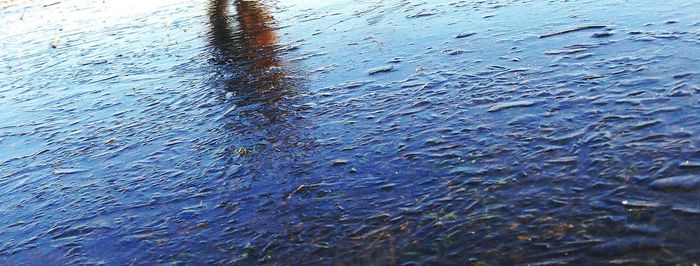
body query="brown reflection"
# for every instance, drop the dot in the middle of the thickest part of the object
(267, 125)
(255, 24)
(246, 51)
(247, 62)
(250, 44)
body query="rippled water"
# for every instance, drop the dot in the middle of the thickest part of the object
(349, 131)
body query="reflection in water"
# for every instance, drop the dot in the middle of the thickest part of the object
(250, 48)
(247, 60)
(268, 118)
(246, 50)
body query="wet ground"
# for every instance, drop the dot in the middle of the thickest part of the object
(349, 132)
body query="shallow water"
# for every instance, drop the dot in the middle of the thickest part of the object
(384, 132)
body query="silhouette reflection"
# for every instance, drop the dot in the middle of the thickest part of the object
(245, 52)
(248, 47)
(268, 118)
(245, 47)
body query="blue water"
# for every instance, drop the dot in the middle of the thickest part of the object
(349, 132)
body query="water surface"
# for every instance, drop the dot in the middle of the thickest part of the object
(355, 132)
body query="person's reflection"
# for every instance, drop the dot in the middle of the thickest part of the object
(247, 61)
(251, 47)
(268, 118)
